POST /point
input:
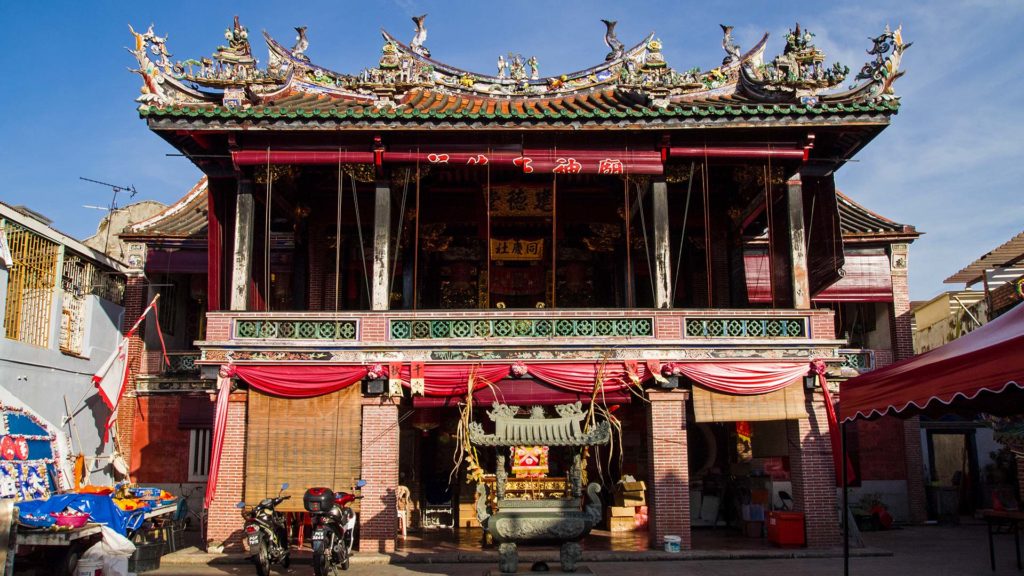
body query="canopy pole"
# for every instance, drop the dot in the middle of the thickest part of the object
(846, 501)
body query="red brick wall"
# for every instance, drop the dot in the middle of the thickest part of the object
(218, 328)
(159, 447)
(823, 324)
(903, 336)
(224, 521)
(378, 519)
(813, 475)
(668, 473)
(880, 448)
(136, 290)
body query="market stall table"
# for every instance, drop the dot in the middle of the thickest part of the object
(1012, 519)
(76, 540)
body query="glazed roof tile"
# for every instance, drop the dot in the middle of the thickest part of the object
(424, 104)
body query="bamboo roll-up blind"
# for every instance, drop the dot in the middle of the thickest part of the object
(304, 442)
(788, 403)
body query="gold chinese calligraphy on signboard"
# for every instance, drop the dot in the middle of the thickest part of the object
(517, 249)
(520, 201)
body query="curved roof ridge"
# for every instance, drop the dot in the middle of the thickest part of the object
(197, 192)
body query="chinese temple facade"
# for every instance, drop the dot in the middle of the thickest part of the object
(370, 252)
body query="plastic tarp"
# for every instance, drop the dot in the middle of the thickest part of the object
(980, 372)
(101, 507)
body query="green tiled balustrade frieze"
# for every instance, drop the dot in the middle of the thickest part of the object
(297, 329)
(432, 329)
(745, 328)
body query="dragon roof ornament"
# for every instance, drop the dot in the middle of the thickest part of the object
(232, 76)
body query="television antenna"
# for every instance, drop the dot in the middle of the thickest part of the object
(130, 189)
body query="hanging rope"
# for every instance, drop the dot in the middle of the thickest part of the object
(487, 193)
(770, 216)
(682, 235)
(707, 228)
(359, 229)
(266, 236)
(416, 239)
(337, 240)
(401, 225)
(643, 228)
(629, 244)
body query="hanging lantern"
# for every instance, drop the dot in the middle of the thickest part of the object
(426, 419)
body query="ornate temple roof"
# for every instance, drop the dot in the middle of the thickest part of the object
(186, 218)
(633, 86)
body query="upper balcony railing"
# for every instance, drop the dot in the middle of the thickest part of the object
(403, 327)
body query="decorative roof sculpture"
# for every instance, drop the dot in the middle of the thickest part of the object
(634, 81)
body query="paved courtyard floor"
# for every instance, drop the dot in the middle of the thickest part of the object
(925, 550)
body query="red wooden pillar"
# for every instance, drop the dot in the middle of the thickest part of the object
(668, 468)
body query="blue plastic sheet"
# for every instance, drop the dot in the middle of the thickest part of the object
(102, 509)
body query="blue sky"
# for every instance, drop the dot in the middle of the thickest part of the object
(951, 163)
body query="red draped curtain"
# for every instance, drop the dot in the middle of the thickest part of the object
(742, 378)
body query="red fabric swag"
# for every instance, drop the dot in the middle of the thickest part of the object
(220, 424)
(741, 377)
(300, 381)
(453, 379)
(580, 376)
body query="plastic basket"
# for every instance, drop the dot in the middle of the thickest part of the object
(146, 557)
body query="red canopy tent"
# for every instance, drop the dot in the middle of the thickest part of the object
(980, 372)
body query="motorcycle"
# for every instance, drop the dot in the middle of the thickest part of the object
(266, 533)
(334, 525)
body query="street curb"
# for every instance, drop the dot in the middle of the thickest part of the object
(193, 556)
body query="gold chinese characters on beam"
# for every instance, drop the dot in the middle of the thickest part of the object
(517, 249)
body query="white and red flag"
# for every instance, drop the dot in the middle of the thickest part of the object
(112, 377)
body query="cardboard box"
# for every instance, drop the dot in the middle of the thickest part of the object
(621, 511)
(631, 487)
(630, 500)
(620, 524)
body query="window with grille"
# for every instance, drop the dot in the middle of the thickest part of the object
(199, 443)
(30, 286)
(76, 278)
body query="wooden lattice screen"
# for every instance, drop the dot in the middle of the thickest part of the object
(304, 442)
(30, 285)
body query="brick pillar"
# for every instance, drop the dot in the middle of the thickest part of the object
(224, 522)
(915, 470)
(903, 347)
(812, 471)
(135, 292)
(668, 467)
(1020, 478)
(378, 517)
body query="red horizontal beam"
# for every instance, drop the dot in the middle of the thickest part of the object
(729, 152)
(262, 157)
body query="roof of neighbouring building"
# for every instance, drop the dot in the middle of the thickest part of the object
(186, 218)
(1007, 254)
(856, 221)
(633, 86)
